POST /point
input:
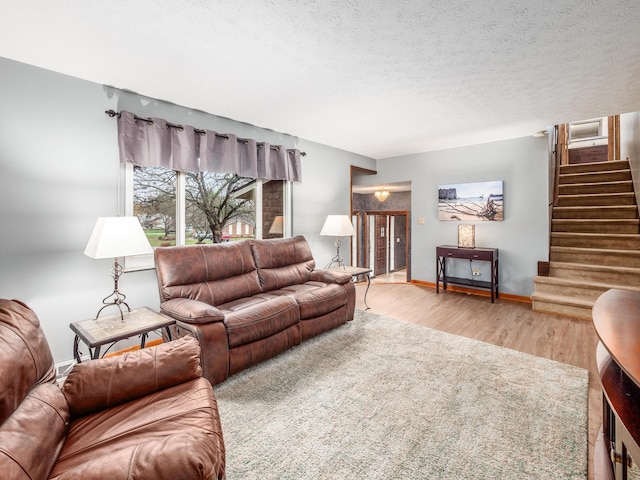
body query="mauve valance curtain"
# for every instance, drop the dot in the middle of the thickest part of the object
(152, 142)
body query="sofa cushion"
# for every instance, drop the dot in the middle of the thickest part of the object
(25, 357)
(282, 262)
(259, 320)
(100, 384)
(315, 301)
(31, 438)
(171, 434)
(212, 274)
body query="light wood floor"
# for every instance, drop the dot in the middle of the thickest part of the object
(506, 323)
(399, 276)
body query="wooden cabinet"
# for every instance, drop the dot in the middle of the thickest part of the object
(445, 252)
(616, 318)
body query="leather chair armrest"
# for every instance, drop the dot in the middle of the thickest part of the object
(98, 384)
(191, 311)
(215, 348)
(330, 276)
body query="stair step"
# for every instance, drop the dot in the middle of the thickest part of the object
(596, 256)
(591, 188)
(596, 240)
(596, 273)
(595, 177)
(575, 288)
(568, 288)
(561, 305)
(596, 212)
(595, 225)
(595, 167)
(595, 199)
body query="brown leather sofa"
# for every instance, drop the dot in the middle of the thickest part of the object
(146, 414)
(248, 301)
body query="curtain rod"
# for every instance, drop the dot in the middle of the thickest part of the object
(112, 113)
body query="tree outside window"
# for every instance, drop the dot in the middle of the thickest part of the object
(212, 203)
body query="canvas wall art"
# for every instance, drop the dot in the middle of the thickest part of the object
(464, 202)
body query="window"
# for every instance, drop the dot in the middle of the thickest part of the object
(177, 208)
(587, 130)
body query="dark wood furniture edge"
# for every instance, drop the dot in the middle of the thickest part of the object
(616, 319)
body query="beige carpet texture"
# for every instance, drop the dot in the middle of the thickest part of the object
(381, 398)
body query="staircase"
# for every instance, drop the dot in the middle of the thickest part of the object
(595, 239)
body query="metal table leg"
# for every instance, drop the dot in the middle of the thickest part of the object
(367, 291)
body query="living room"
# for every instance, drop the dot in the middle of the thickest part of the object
(61, 171)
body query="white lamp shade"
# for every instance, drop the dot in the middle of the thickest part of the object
(338, 226)
(117, 237)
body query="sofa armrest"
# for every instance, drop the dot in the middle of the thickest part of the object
(191, 311)
(103, 383)
(215, 348)
(330, 276)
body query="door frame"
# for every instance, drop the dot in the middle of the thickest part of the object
(366, 234)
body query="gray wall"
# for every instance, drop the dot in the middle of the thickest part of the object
(325, 190)
(522, 238)
(59, 171)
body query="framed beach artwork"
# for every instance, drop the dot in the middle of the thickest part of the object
(464, 202)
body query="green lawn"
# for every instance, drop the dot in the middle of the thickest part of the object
(156, 238)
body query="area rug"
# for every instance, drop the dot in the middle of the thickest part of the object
(380, 398)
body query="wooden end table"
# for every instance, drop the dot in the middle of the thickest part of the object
(110, 329)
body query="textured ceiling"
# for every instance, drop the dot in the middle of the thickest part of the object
(378, 77)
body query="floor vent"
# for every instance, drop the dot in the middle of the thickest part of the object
(63, 369)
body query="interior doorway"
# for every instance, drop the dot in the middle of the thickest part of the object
(386, 242)
(381, 214)
(589, 141)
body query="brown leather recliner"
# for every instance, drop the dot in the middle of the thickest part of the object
(143, 415)
(248, 301)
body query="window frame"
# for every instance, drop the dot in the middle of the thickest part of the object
(146, 262)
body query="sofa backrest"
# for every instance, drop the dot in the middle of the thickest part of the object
(25, 357)
(214, 274)
(282, 261)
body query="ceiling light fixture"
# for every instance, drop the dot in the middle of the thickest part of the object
(382, 195)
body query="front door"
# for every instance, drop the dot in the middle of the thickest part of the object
(381, 235)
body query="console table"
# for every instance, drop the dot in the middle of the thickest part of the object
(444, 252)
(616, 318)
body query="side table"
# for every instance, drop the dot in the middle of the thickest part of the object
(356, 272)
(443, 252)
(110, 329)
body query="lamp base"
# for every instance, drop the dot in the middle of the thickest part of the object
(337, 259)
(116, 298)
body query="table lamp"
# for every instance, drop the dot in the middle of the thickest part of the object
(467, 236)
(114, 237)
(337, 226)
(277, 227)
